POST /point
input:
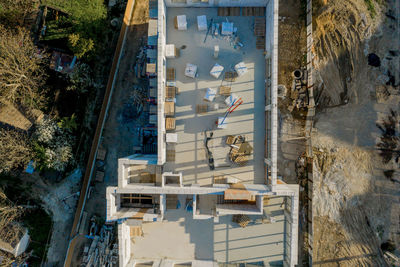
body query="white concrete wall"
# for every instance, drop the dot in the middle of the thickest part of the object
(161, 81)
(271, 48)
(111, 203)
(291, 191)
(216, 3)
(124, 244)
(136, 159)
(163, 205)
(228, 209)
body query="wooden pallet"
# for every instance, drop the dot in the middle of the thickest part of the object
(170, 92)
(101, 154)
(219, 179)
(201, 108)
(169, 108)
(170, 155)
(253, 11)
(230, 76)
(153, 92)
(241, 219)
(228, 11)
(259, 27)
(260, 42)
(170, 74)
(225, 90)
(153, 109)
(169, 124)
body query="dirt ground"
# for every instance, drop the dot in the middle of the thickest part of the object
(355, 207)
(120, 132)
(292, 54)
(292, 48)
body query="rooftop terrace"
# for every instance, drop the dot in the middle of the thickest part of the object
(247, 120)
(224, 241)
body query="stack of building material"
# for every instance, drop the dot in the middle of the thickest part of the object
(216, 70)
(190, 70)
(241, 69)
(210, 94)
(180, 22)
(170, 51)
(171, 137)
(202, 23)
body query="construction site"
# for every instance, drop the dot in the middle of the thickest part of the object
(219, 148)
(209, 168)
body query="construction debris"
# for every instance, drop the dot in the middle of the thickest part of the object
(103, 250)
(299, 92)
(241, 219)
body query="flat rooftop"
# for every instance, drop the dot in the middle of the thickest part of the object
(247, 120)
(180, 237)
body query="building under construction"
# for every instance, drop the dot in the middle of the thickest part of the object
(211, 192)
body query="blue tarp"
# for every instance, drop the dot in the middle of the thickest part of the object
(31, 167)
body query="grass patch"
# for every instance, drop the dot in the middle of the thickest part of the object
(371, 7)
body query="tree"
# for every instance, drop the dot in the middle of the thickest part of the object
(80, 45)
(68, 123)
(13, 12)
(15, 150)
(53, 146)
(80, 78)
(10, 229)
(21, 70)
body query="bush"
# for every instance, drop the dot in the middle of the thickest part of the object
(80, 78)
(53, 147)
(80, 46)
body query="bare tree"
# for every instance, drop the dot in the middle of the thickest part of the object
(15, 150)
(21, 71)
(10, 230)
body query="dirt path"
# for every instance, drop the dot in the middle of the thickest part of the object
(355, 206)
(119, 135)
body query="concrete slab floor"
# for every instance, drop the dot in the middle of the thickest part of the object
(182, 238)
(248, 119)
